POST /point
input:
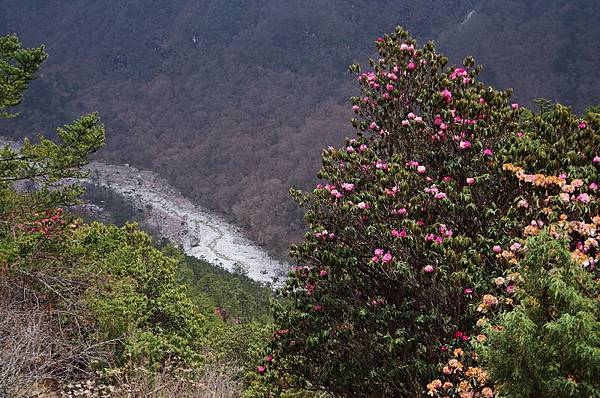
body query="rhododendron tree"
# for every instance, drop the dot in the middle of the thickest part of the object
(415, 218)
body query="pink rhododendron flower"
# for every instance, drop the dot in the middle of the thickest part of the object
(261, 369)
(467, 290)
(381, 165)
(399, 234)
(421, 169)
(447, 95)
(596, 159)
(317, 307)
(411, 115)
(348, 186)
(373, 126)
(405, 122)
(389, 87)
(444, 230)
(577, 183)
(356, 108)
(593, 186)
(418, 119)
(582, 125)
(428, 268)
(583, 198)
(349, 149)
(363, 205)
(497, 249)
(269, 358)
(387, 257)
(379, 252)
(487, 152)
(411, 66)
(470, 180)
(392, 76)
(564, 196)
(515, 246)
(440, 195)
(362, 147)
(510, 289)
(323, 273)
(514, 106)
(432, 189)
(391, 192)
(465, 144)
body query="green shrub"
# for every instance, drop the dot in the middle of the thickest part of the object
(548, 345)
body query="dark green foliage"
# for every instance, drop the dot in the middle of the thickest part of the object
(18, 67)
(241, 298)
(549, 344)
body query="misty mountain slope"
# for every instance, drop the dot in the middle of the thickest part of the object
(540, 48)
(232, 101)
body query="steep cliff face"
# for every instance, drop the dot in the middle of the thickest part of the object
(231, 101)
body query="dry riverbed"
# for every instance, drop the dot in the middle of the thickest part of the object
(199, 232)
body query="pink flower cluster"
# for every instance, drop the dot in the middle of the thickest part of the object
(444, 232)
(325, 235)
(391, 192)
(446, 95)
(381, 255)
(399, 233)
(436, 192)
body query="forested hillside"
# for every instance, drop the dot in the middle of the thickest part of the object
(229, 100)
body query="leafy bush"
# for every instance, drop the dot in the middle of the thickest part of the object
(549, 343)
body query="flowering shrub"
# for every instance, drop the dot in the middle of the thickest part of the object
(414, 220)
(548, 344)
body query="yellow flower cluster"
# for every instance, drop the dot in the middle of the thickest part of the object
(589, 238)
(539, 180)
(488, 302)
